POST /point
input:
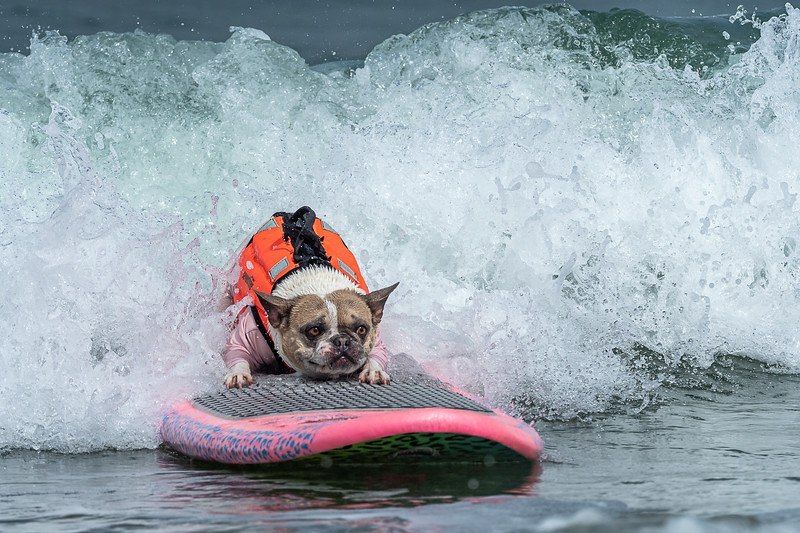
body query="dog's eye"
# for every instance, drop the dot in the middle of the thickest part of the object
(313, 331)
(361, 330)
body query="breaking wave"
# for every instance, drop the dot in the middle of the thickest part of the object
(558, 193)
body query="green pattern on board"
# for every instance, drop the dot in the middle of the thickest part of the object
(432, 447)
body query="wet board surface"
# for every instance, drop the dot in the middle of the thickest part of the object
(283, 418)
(274, 395)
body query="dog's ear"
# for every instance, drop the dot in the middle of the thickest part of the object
(277, 308)
(377, 299)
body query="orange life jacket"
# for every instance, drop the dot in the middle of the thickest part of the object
(271, 256)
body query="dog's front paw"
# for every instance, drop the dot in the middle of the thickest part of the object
(373, 373)
(238, 376)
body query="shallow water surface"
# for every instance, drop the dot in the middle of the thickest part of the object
(713, 460)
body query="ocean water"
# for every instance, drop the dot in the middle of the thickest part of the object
(592, 216)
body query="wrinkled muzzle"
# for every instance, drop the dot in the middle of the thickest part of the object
(339, 353)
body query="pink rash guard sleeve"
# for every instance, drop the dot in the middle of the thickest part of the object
(380, 353)
(247, 344)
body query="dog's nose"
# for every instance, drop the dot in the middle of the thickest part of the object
(342, 342)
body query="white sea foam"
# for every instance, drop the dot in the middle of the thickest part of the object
(549, 205)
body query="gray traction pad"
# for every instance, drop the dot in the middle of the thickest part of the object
(272, 395)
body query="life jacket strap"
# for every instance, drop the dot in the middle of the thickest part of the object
(280, 365)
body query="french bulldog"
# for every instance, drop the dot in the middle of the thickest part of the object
(324, 327)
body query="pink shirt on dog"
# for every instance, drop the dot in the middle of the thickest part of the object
(247, 344)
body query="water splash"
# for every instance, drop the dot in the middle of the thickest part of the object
(554, 194)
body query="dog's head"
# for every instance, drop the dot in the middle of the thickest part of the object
(326, 337)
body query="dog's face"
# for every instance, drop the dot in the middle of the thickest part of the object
(330, 337)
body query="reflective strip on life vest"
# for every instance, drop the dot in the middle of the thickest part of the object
(344, 266)
(268, 224)
(278, 268)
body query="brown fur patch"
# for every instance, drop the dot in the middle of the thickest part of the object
(321, 355)
(305, 309)
(352, 311)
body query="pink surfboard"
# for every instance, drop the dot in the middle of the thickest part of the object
(284, 418)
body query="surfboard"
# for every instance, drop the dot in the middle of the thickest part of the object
(288, 418)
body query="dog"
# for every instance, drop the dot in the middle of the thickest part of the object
(309, 312)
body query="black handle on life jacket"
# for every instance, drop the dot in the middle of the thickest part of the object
(298, 228)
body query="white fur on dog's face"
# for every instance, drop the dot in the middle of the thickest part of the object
(323, 326)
